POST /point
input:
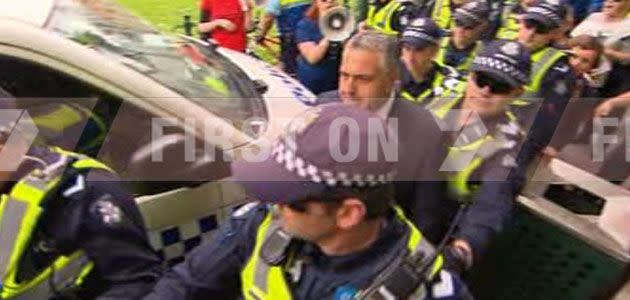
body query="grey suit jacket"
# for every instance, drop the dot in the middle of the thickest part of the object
(422, 148)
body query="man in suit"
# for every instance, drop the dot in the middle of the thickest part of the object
(368, 78)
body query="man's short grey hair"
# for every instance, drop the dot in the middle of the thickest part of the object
(385, 45)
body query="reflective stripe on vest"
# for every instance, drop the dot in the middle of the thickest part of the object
(469, 157)
(420, 99)
(542, 61)
(259, 280)
(437, 82)
(262, 281)
(381, 20)
(474, 145)
(442, 86)
(417, 244)
(441, 13)
(440, 106)
(19, 215)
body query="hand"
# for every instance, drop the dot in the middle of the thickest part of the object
(260, 39)
(604, 109)
(205, 27)
(452, 261)
(458, 256)
(226, 24)
(325, 42)
(550, 152)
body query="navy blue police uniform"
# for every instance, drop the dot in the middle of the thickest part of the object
(89, 211)
(255, 257)
(482, 161)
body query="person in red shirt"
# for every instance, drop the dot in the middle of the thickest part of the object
(225, 22)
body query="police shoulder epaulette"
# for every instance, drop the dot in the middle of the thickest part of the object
(244, 210)
(510, 128)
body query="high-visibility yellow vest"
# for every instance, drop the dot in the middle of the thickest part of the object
(441, 13)
(509, 25)
(542, 61)
(465, 65)
(260, 280)
(381, 19)
(443, 85)
(20, 212)
(474, 145)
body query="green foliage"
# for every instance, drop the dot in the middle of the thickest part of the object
(167, 16)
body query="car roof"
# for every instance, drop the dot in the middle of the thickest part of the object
(35, 12)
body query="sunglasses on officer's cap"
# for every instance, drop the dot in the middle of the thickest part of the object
(466, 25)
(497, 86)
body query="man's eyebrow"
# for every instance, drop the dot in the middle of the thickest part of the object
(356, 74)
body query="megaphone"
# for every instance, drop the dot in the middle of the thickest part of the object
(337, 24)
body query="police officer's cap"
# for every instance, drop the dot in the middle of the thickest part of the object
(472, 14)
(507, 60)
(328, 146)
(421, 32)
(550, 13)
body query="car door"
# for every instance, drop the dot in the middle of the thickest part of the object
(182, 199)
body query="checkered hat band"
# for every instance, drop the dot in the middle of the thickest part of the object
(501, 66)
(287, 158)
(412, 33)
(545, 12)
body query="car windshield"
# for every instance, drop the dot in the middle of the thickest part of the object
(202, 76)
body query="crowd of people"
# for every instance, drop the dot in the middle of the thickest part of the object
(473, 93)
(580, 48)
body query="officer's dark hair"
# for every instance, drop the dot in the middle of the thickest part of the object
(378, 200)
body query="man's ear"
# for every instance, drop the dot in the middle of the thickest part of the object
(351, 213)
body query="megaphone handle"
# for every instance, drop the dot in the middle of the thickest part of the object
(334, 49)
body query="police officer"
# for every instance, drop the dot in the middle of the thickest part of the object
(423, 77)
(389, 17)
(68, 227)
(510, 18)
(485, 140)
(459, 50)
(441, 11)
(332, 233)
(551, 83)
(288, 13)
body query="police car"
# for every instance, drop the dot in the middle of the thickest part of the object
(176, 110)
